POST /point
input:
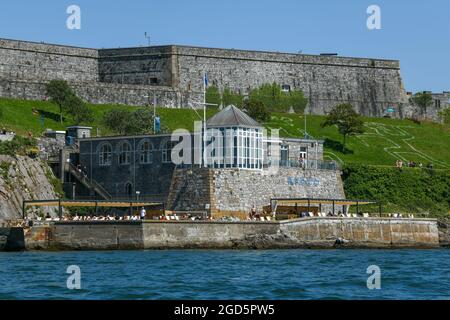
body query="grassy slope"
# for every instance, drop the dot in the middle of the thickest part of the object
(384, 141)
(18, 116)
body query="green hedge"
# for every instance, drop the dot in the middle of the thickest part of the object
(410, 190)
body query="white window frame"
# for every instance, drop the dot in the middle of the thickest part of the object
(146, 155)
(124, 156)
(101, 155)
(166, 151)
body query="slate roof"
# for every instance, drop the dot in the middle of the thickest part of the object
(232, 116)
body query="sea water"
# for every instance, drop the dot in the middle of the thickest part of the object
(227, 274)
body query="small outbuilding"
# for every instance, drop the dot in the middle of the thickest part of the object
(79, 132)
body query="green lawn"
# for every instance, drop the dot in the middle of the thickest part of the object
(18, 116)
(384, 141)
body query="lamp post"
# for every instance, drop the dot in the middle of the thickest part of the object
(137, 199)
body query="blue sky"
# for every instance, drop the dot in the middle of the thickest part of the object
(415, 32)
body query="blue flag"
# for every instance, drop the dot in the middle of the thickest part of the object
(157, 124)
(206, 80)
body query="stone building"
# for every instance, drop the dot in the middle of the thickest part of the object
(171, 75)
(440, 101)
(237, 167)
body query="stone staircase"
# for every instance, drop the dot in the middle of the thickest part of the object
(91, 184)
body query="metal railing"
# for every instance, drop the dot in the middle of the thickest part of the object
(90, 183)
(308, 164)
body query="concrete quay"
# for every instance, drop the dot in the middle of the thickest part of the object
(299, 233)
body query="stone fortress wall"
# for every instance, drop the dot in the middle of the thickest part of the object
(370, 85)
(172, 75)
(232, 190)
(98, 76)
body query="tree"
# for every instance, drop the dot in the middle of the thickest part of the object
(297, 100)
(423, 100)
(124, 122)
(277, 100)
(346, 119)
(79, 110)
(213, 95)
(229, 98)
(59, 93)
(257, 110)
(142, 121)
(443, 114)
(118, 120)
(269, 95)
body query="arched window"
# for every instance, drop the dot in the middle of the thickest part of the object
(129, 190)
(124, 153)
(146, 152)
(105, 154)
(166, 151)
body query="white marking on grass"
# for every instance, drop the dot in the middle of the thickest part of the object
(333, 156)
(380, 130)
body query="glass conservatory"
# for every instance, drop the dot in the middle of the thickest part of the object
(234, 140)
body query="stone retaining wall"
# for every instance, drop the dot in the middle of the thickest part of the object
(304, 233)
(236, 190)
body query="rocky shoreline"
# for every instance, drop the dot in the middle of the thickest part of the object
(444, 233)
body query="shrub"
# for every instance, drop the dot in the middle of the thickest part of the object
(55, 182)
(18, 146)
(124, 122)
(276, 100)
(230, 98)
(117, 120)
(4, 169)
(410, 190)
(257, 110)
(213, 96)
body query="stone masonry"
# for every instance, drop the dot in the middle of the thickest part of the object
(172, 75)
(235, 190)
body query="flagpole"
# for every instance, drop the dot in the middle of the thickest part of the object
(204, 120)
(306, 134)
(154, 113)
